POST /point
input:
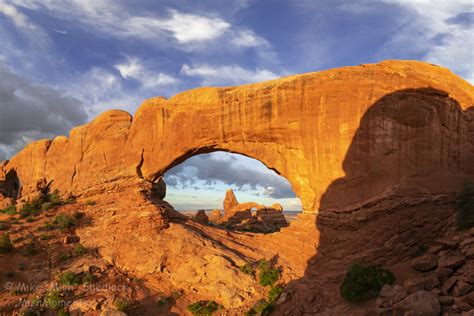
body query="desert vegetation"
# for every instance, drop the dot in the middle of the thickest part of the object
(364, 282)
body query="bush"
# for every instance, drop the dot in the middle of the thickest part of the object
(203, 308)
(53, 300)
(466, 207)
(247, 269)
(30, 249)
(70, 279)
(79, 250)
(32, 207)
(274, 293)
(122, 305)
(61, 222)
(267, 274)
(262, 308)
(46, 206)
(88, 278)
(54, 198)
(5, 244)
(11, 210)
(364, 282)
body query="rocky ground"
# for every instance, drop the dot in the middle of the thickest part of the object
(92, 257)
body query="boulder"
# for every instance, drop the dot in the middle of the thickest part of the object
(414, 285)
(461, 288)
(201, 217)
(158, 188)
(215, 216)
(70, 239)
(451, 261)
(446, 300)
(112, 312)
(424, 263)
(442, 274)
(421, 303)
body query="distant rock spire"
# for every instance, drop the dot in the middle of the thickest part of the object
(230, 201)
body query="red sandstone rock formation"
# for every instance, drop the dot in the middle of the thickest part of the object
(230, 201)
(302, 126)
(201, 217)
(375, 151)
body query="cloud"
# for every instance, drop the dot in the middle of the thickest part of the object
(440, 32)
(248, 38)
(30, 111)
(37, 36)
(227, 74)
(133, 68)
(236, 171)
(114, 18)
(191, 27)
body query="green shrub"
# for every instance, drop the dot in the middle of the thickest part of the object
(465, 207)
(32, 207)
(267, 274)
(79, 250)
(364, 282)
(203, 308)
(64, 256)
(45, 237)
(274, 293)
(88, 278)
(261, 308)
(420, 250)
(5, 244)
(61, 222)
(122, 305)
(162, 300)
(63, 312)
(247, 269)
(90, 203)
(70, 279)
(30, 249)
(46, 206)
(11, 210)
(53, 300)
(54, 198)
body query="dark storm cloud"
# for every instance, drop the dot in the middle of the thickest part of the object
(31, 111)
(465, 19)
(226, 168)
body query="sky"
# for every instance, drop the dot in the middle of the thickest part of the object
(63, 62)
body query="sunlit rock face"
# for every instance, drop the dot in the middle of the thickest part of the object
(342, 137)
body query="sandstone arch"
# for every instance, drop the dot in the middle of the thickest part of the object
(301, 126)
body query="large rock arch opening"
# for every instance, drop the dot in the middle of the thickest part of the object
(231, 191)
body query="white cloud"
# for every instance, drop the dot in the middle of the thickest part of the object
(190, 27)
(37, 36)
(175, 28)
(227, 74)
(431, 31)
(248, 38)
(133, 68)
